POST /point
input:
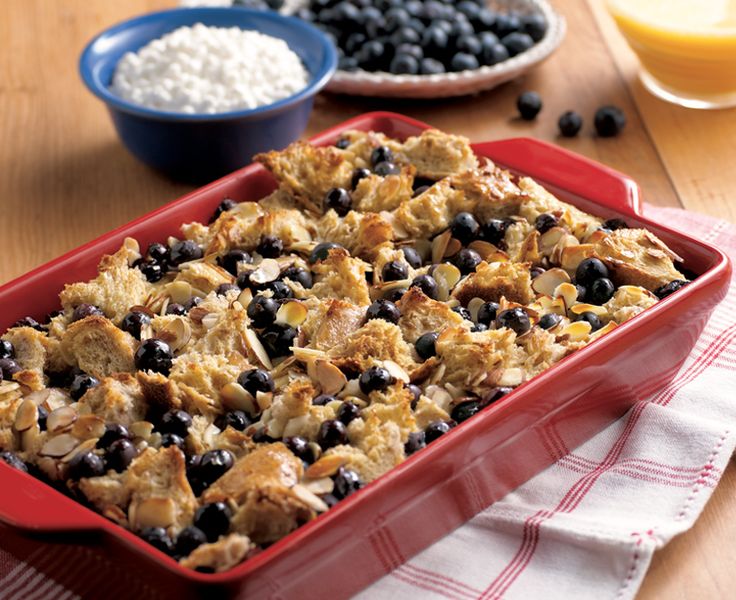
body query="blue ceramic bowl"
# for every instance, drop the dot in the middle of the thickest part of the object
(202, 147)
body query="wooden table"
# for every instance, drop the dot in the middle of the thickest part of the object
(65, 179)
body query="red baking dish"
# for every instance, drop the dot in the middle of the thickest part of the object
(434, 491)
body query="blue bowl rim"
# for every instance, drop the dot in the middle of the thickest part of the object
(317, 81)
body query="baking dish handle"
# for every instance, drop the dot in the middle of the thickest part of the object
(552, 165)
(34, 508)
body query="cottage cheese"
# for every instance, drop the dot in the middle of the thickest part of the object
(209, 70)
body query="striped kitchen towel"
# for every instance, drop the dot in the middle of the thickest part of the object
(584, 528)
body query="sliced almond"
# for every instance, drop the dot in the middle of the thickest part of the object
(511, 377)
(152, 512)
(59, 445)
(292, 313)
(60, 419)
(210, 320)
(309, 498)
(297, 425)
(133, 248)
(29, 438)
(568, 292)
(576, 331)
(396, 371)
(26, 416)
(331, 379)
(453, 247)
(324, 467)
(607, 328)
(236, 397)
(141, 429)
(579, 309)
(439, 245)
(268, 270)
(85, 446)
(485, 249)
(439, 396)
(474, 306)
(547, 282)
(323, 485)
(447, 276)
(306, 354)
(245, 297)
(179, 291)
(264, 399)
(548, 240)
(177, 333)
(88, 426)
(257, 348)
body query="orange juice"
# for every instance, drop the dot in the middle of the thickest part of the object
(687, 48)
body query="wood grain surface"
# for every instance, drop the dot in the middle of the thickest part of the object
(65, 178)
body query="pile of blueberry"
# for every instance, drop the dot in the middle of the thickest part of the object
(422, 36)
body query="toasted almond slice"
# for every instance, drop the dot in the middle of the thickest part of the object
(61, 419)
(323, 485)
(330, 378)
(210, 320)
(572, 256)
(548, 240)
(296, 425)
(85, 446)
(29, 438)
(236, 397)
(607, 328)
(485, 249)
(255, 345)
(307, 354)
(88, 426)
(396, 371)
(133, 248)
(141, 429)
(579, 309)
(26, 416)
(576, 331)
(179, 291)
(245, 297)
(440, 396)
(568, 292)
(453, 247)
(324, 467)
(264, 399)
(116, 515)
(636, 291)
(446, 275)
(439, 245)
(474, 306)
(511, 377)
(153, 512)
(292, 313)
(547, 282)
(177, 332)
(268, 270)
(59, 445)
(310, 499)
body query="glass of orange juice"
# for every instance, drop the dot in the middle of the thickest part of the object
(687, 48)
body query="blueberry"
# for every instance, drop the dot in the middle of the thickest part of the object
(394, 295)
(12, 460)
(348, 63)
(86, 464)
(323, 399)
(435, 42)
(236, 419)
(352, 44)
(549, 320)
(506, 24)
(414, 443)
(261, 437)
(375, 379)
(479, 327)
(347, 482)
(192, 302)
(152, 271)
(113, 433)
(213, 520)
(158, 538)
(545, 222)
(403, 64)
(468, 8)
(371, 55)
(436, 429)
(589, 270)
(569, 123)
(614, 224)
(224, 206)
(321, 251)
(80, 384)
(348, 412)
(331, 433)
(262, 311)
(420, 190)
(176, 309)
(86, 310)
(416, 393)
(171, 439)
(43, 415)
(383, 309)
(669, 288)
(410, 50)
(189, 539)
(427, 284)
(412, 257)
(535, 272)
(28, 322)
(158, 252)
(214, 464)
(185, 251)
(279, 290)
(381, 154)
(464, 228)
(463, 312)
(467, 260)
(278, 340)
(342, 143)
(425, 345)
(493, 231)
(120, 454)
(256, 380)
(529, 105)
(405, 35)
(133, 321)
(232, 259)
(592, 318)
(339, 200)
(494, 54)
(462, 61)
(431, 66)
(534, 25)
(177, 422)
(298, 275)
(358, 175)
(154, 355)
(463, 411)
(385, 168)
(487, 313)
(300, 448)
(394, 270)
(515, 319)
(516, 43)
(485, 20)
(6, 349)
(609, 121)
(270, 246)
(469, 44)
(600, 291)
(582, 292)
(495, 394)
